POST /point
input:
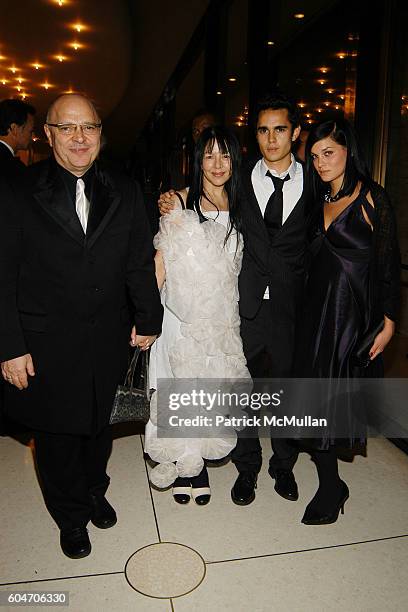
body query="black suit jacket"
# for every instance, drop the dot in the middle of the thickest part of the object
(69, 299)
(277, 263)
(11, 168)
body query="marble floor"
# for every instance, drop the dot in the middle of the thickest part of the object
(257, 558)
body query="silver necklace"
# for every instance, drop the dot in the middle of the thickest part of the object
(329, 198)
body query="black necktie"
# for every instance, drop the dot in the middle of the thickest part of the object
(274, 208)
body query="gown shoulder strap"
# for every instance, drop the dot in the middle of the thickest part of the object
(368, 208)
(183, 206)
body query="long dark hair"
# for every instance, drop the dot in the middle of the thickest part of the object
(341, 131)
(227, 143)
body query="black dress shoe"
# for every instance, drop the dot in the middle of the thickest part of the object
(324, 508)
(103, 515)
(243, 491)
(75, 543)
(285, 484)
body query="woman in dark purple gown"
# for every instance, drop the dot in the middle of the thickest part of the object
(352, 286)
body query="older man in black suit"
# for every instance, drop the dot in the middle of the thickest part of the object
(76, 273)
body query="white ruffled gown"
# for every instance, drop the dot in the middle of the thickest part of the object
(201, 324)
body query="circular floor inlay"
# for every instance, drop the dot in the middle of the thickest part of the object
(165, 570)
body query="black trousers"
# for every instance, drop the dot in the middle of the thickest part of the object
(72, 467)
(268, 347)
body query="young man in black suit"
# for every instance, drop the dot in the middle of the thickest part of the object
(76, 273)
(271, 278)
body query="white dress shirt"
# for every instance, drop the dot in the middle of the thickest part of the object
(263, 188)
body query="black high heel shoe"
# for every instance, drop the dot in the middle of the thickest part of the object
(200, 488)
(181, 490)
(317, 516)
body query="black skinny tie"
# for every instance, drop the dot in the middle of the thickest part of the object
(274, 208)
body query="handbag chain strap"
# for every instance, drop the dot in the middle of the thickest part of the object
(144, 375)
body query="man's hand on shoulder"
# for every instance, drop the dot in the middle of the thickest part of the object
(15, 371)
(166, 202)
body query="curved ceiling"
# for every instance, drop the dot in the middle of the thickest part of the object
(38, 54)
(120, 53)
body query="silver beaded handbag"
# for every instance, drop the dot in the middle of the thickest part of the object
(132, 402)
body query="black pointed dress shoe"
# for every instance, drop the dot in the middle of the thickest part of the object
(285, 484)
(103, 515)
(324, 511)
(243, 491)
(75, 543)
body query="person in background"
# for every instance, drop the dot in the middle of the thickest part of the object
(180, 162)
(300, 144)
(16, 132)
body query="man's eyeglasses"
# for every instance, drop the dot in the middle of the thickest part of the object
(90, 129)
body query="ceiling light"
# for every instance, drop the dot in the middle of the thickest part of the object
(76, 45)
(341, 55)
(78, 27)
(13, 69)
(36, 65)
(4, 81)
(322, 81)
(330, 91)
(219, 93)
(301, 105)
(299, 15)
(326, 103)
(60, 58)
(319, 110)
(232, 79)
(324, 69)
(270, 43)
(46, 85)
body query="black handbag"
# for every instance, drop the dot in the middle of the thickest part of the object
(132, 403)
(361, 357)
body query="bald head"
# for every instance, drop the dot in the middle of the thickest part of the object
(68, 101)
(73, 132)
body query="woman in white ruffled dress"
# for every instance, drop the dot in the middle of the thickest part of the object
(199, 253)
